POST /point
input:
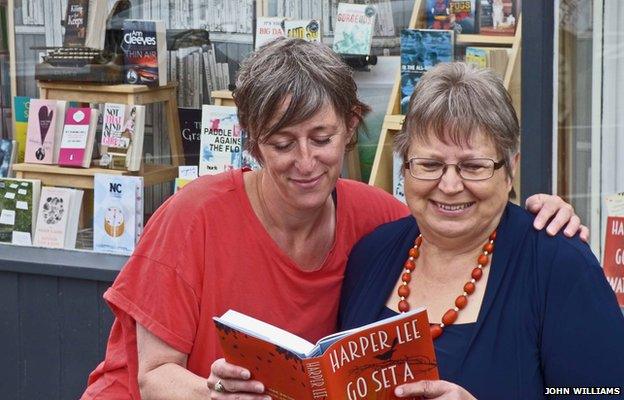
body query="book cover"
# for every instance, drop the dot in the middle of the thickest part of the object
(134, 128)
(78, 136)
(190, 131)
(19, 200)
(354, 28)
(268, 29)
(498, 17)
(21, 105)
(76, 22)
(307, 29)
(114, 120)
(398, 179)
(57, 217)
(116, 211)
(364, 363)
(477, 56)
(7, 150)
(421, 49)
(456, 15)
(144, 46)
(613, 255)
(45, 125)
(221, 141)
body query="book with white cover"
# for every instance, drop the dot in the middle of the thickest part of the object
(354, 28)
(57, 218)
(19, 201)
(268, 29)
(398, 177)
(118, 213)
(221, 140)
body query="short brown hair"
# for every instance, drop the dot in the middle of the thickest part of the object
(308, 73)
(455, 101)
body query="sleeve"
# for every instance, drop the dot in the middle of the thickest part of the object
(583, 326)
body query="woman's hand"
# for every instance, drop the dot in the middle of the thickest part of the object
(234, 383)
(441, 390)
(548, 206)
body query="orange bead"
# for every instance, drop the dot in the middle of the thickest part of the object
(409, 265)
(482, 260)
(461, 301)
(406, 277)
(413, 252)
(469, 287)
(435, 331)
(493, 236)
(403, 291)
(449, 317)
(403, 306)
(477, 273)
(489, 247)
(419, 241)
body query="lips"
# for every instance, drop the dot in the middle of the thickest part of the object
(306, 182)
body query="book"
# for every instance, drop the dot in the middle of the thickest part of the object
(488, 57)
(78, 137)
(118, 213)
(613, 255)
(221, 141)
(456, 15)
(8, 155)
(45, 129)
(84, 25)
(21, 105)
(353, 33)
(398, 178)
(144, 46)
(247, 160)
(190, 131)
(57, 217)
(19, 201)
(421, 50)
(123, 131)
(307, 29)
(363, 363)
(498, 17)
(268, 29)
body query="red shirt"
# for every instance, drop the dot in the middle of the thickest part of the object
(204, 252)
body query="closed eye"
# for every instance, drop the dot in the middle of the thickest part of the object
(322, 141)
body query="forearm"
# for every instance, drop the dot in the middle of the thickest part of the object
(171, 382)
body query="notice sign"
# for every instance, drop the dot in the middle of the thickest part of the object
(614, 246)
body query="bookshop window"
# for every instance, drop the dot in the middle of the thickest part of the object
(99, 130)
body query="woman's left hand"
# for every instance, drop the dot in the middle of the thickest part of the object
(441, 390)
(549, 207)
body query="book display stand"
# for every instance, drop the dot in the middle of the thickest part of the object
(82, 178)
(381, 174)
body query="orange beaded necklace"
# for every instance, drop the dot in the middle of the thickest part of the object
(449, 316)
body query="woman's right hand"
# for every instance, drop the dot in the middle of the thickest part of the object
(234, 381)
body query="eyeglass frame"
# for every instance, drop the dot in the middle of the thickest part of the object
(497, 165)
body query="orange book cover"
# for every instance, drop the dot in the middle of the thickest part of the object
(613, 260)
(362, 363)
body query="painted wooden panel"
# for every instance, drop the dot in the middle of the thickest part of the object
(10, 334)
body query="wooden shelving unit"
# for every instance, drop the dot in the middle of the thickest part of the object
(381, 174)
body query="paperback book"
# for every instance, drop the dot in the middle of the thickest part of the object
(118, 213)
(421, 50)
(8, 155)
(456, 15)
(19, 200)
(307, 29)
(190, 131)
(355, 24)
(78, 137)
(221, 140)
(57, 218)
(268, 29)
(364, 363)
(498, 17)
(398, 178)
(488, 57)
(123, 130)
(144, 46)
(613, 258)
(22, 106)
(45, 129)
(84, 25)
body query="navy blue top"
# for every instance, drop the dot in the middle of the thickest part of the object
(548, 318)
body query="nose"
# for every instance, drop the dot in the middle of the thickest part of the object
(451, 182)
(306, 160)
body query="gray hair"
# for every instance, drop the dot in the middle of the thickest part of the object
(308, 74)
(455, 101)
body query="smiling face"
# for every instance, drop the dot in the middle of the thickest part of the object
(452, 208)
(302, 162)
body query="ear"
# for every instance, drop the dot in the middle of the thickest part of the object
(515, 162)
(353, 122)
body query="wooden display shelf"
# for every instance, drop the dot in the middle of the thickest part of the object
(381, 172)
(82, 178)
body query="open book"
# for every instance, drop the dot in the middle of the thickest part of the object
(361, 363)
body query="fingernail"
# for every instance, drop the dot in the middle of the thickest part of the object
(550, 232)
(259, 388)
(245, 375)
(568, 233)
(398, 391)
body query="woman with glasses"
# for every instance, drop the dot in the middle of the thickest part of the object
(514, 313)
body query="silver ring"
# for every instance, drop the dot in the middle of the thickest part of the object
(218, 387)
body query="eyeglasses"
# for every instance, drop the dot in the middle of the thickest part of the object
(475, 169)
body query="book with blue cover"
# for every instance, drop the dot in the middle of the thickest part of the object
(456, 15)
(118, 213)
(421, 50)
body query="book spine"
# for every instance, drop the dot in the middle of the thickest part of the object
(318, 379)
